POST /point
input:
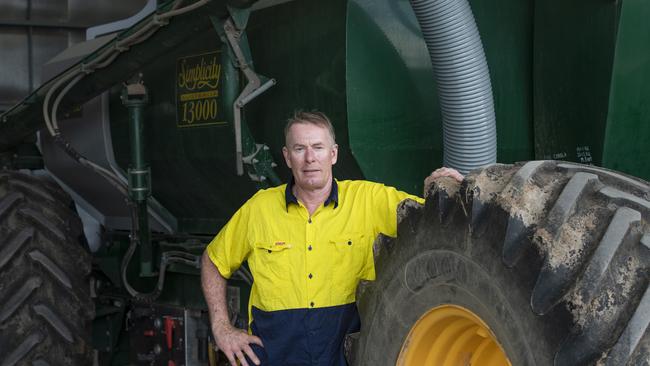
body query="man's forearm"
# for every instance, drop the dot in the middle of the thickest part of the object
(235, 343)
(214, 290)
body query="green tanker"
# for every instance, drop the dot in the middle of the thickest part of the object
(119, 170)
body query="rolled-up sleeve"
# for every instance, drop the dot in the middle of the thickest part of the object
(382, 204)
(230, 248)
(385, 201)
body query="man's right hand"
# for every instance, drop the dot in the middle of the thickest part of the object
(235, 343)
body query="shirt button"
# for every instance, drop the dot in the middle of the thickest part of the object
(269, 251)
(309, 220)
(311, 304)
(309, 247)
(310, 276)
(349, 242)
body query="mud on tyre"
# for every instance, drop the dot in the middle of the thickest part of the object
(45, 305)
(553, 257)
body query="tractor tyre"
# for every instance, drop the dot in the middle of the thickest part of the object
(45, 304)
(542, 263)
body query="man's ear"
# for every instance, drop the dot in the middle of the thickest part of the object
(285, 153)
(335, 153)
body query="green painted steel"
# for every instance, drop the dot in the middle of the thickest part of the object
(139, 175)
(393, 111)
(571, 80)
(565, 84)
(591, 74)
(573, 53)
(256, 157)
(627, 136)
(507, 32)
(26, 117)
(193, 167)
(302, 45)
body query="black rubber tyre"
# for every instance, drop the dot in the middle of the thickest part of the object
(45, 305)
(553, 256)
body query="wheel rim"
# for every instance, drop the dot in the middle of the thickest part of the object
(451, 335)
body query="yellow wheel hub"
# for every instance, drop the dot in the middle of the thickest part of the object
(451, 335)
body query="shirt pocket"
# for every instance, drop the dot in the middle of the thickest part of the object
(273, 269)
(349, 258)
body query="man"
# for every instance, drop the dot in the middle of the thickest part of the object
(308, 244)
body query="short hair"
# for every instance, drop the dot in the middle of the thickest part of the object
(314, 118)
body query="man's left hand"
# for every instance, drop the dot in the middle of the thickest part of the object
(439, 173)
(444, 172)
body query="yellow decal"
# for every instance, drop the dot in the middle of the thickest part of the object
(197, 90)
(200, 95)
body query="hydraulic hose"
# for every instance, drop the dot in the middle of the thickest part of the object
(464, 88)
(102, 60)
(167, 258)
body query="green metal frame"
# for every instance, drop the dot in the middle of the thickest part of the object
(139, 174)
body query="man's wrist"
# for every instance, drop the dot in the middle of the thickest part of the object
(222, 322)
(221, 325)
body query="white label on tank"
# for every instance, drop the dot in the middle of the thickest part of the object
(583, 153)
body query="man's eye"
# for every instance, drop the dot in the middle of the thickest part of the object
(298, 149)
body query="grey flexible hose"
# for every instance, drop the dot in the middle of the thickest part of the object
(464, 88)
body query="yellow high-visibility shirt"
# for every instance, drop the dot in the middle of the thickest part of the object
(303, 262)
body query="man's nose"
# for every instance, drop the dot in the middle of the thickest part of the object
(309, 155)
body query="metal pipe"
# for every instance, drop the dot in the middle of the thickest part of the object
(464, 88)
(243, 101)
(135, 98)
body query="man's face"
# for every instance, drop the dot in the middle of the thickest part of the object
(310, 153)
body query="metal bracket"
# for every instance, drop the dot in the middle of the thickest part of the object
(259, 159)
(250, 159)
(136, 178)
(239, 16)
(243, 100)
(253, 88)
(134, 93)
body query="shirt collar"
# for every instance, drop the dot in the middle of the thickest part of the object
(333, 197)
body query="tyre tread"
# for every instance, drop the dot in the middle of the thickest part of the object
(578, 237)
(8, 202)
(54, 320)
(44, 272)
(10, 250)
(615, 235)
(580, 283)
(52, 267)
(18, 298)
(628, 343)
(23, 349)
(37, 218)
